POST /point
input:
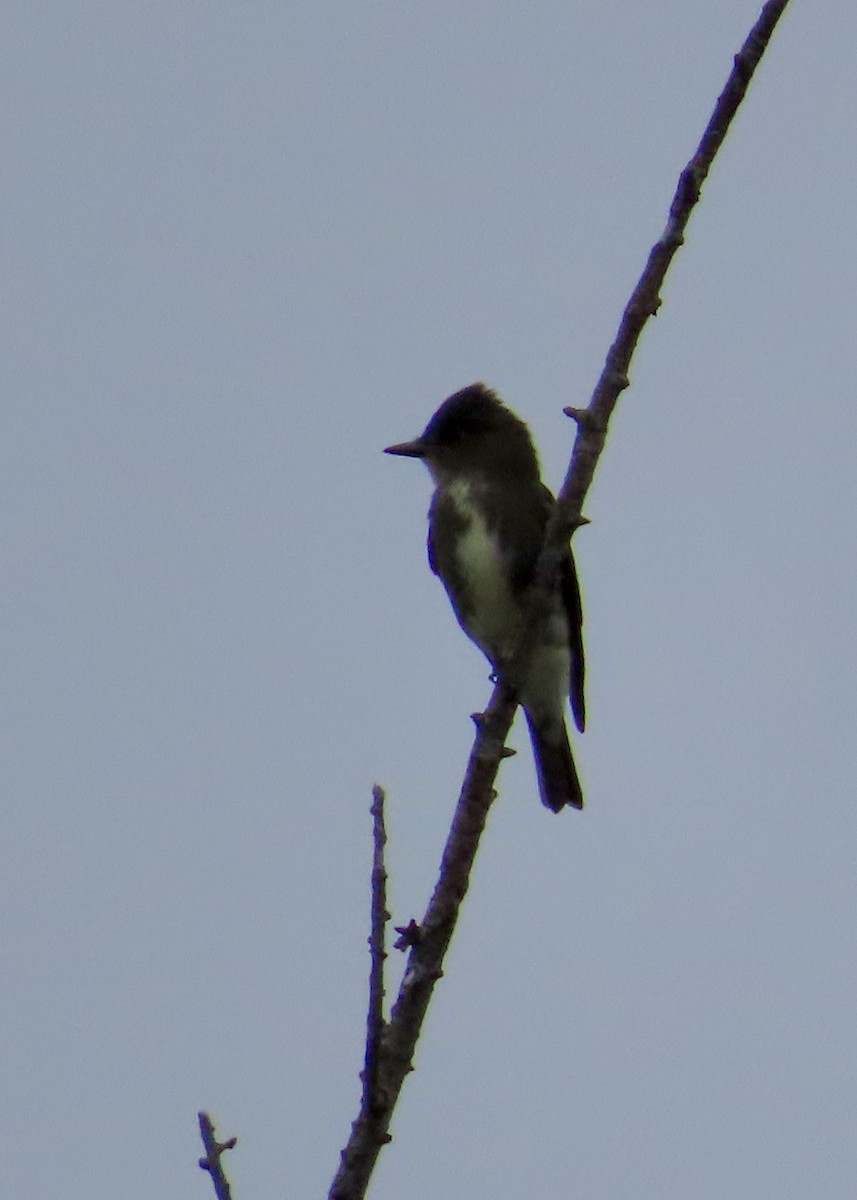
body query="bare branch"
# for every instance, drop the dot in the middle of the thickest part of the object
(429, 941)
(424, 967)
(372, 1101)
(592, 422)
(213, 1152)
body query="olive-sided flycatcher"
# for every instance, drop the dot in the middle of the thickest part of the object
(486, 523)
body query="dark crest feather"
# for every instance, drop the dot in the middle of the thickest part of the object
(475, 409)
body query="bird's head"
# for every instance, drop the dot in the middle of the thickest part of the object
(472, 432)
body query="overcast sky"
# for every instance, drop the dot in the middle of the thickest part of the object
(245, 248)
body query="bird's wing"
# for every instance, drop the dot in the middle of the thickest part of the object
(574, 610)
(432, 554)
(527, 542)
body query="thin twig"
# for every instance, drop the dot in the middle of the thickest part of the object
(592, 422)
(213, 1152)
(645, 299)
(429, 942)
(372, 1100)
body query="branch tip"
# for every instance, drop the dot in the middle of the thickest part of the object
(213, 1152)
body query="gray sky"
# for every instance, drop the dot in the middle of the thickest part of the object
(245, 248)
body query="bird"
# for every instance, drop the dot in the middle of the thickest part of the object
(487, 520)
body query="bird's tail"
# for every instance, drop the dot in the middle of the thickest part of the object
(558, 781)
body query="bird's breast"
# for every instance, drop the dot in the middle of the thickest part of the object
(488, 609)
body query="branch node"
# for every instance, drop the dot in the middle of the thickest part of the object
(620, 380)
(211, 1164)
(742, 66)
(581, 416)
(410, 935)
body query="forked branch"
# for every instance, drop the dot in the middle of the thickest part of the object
(390, 1046)
(428, 941)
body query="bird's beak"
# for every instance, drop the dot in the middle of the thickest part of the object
(415, 449)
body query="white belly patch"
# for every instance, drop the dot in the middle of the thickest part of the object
(493, 611)
(492, 618)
